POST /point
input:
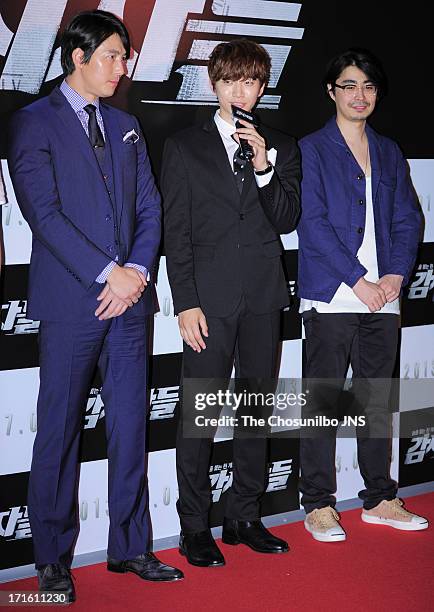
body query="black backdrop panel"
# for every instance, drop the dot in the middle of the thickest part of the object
(165, 373)
(291, 320)
(330, 27)
(418, 298)
(281, 494)
(416, 447)
(16, 544)
(18, 335)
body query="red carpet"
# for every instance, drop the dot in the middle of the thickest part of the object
(376, 569)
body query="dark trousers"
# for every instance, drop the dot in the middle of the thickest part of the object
(69, 353)
(253, 340)
(369, 342)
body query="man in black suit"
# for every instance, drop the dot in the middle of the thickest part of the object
(223, 218)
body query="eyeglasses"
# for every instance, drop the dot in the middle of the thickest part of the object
(350, 89)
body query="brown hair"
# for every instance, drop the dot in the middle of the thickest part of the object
(239, 59)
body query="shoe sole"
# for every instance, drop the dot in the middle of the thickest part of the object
(121, 570)
(341, 537)
(234, 542)
(184, 554)
(400, 525)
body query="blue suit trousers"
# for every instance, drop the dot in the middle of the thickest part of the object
(69, 353)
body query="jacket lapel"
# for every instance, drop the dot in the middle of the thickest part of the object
(219, 158)
(73, 127)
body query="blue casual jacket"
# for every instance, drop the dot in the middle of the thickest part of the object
(332, 221)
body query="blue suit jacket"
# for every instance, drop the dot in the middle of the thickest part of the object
(332, 220)
(62, 195)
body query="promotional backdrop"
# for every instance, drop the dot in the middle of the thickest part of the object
(167, 89)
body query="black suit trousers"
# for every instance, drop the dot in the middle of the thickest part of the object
(252, 342)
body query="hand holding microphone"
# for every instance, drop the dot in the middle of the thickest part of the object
(252, 144)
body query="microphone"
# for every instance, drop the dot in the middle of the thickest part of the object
(238, 113)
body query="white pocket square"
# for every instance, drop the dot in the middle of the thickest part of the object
(272, 155)
(130, 137)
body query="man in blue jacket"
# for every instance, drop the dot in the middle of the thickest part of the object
(83, 181)
(358, 239)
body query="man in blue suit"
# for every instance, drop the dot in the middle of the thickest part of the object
(358, 239)
(83, 181)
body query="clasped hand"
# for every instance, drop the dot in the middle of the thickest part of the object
(376, 295)
(122, 290)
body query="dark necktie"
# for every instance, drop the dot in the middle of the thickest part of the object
(95, 135)
(239, 163)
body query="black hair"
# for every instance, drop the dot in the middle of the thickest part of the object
(365, 61)
(87, 31)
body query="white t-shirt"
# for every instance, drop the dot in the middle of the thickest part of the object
(345, 300)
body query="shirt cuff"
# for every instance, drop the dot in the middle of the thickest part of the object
(102, 278)
(264, 179)
(142, 269)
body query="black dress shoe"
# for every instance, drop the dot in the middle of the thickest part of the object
(147, 566)
(200, 549)
(253, 534)
(56, 578)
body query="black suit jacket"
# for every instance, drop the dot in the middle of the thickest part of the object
(219, 244)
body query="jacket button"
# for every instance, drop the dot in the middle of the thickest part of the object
(361, 202)
(360, 230)
(242, 216)
(108, 218)
(359, 177)
(105, 177)
(109, 248)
